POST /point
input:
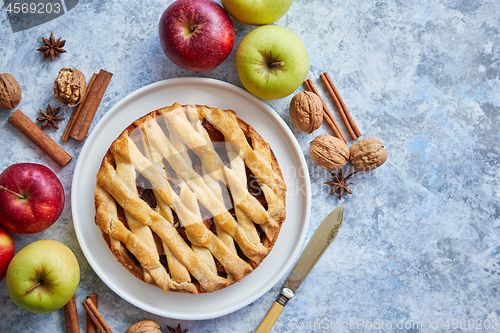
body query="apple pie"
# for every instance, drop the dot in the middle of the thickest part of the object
(190, 198)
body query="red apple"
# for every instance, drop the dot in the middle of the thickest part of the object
(31, 198)
(7, 251)
(197, 35)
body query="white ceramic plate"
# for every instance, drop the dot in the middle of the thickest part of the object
(267, 123)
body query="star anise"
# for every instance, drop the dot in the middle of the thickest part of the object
(340, 183)
(49, 117)
(52, 47)
(176, 330)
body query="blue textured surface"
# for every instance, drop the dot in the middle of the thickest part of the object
(420, 241)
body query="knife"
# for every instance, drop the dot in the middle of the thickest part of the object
(323, 236)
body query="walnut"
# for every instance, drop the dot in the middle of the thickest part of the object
(367, 154)
(70, 86)
(144, 326)
(306, 111)
(329, 152)
(10, 92)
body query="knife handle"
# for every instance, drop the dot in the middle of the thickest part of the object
(272, 315)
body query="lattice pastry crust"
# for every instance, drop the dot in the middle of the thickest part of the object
(190, 198)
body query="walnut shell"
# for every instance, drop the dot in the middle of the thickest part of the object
(70, 86)
(306, 111)
(144, 326)
(329, 152)
(367, 154)
(10, 92)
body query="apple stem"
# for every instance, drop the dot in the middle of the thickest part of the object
(277, 64)
(193, 27)
(20, 196)
(33, 287)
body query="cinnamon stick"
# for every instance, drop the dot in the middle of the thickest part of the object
(76, 112)
(86, 113)
(341, 107)
(91, 327)
(71, 316)
(96, 316)
(39, 138)
(326, 113)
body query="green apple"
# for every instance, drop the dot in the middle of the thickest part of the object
(43, 276)
(256, 12)
(272, 62)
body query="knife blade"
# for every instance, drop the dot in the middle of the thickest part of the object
(322, 238)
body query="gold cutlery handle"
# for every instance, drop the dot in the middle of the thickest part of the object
(272, 315)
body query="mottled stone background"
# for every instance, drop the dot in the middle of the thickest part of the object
(420, 241)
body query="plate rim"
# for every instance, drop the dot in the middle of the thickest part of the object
(242, 93)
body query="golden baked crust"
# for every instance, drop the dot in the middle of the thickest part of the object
(190, 198)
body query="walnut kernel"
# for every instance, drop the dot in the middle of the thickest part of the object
(367, 154)
(10, 92)
(70, 86)
(306, 111)
(144, 326)
(329, 152)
